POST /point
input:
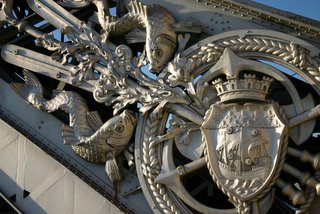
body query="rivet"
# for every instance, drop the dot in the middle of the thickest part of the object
(255, 132)
(128, 68)
(181, 170)
(248, 161)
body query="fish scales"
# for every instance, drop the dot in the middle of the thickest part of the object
(93, 152)
(76, 107)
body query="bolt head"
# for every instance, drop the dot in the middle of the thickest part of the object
(181, 170)
(189, 24)
(128, 68)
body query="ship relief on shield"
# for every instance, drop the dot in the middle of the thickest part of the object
(243, 142)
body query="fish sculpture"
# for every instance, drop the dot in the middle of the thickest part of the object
(88, 136)
(160, 38)
(160, 35)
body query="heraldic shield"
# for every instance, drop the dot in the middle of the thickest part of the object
(243, 144)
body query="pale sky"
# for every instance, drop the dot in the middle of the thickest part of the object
(308, 8)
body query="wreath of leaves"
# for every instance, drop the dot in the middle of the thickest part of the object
(151, 166)
(288, 52)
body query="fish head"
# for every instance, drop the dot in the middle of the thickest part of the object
(160, 51)
(129, 118)
(123, 127)
(36, 100)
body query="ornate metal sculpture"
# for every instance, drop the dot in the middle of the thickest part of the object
(86, 133)
(211, 104)
(245, 137)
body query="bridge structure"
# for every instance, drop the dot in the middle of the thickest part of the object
(166, 106)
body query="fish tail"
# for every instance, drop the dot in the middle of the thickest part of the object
(136, 8)
(113, 171)
(135, 18)
(68, 136)
(31, 85)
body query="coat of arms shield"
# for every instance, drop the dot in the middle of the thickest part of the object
(243, 144)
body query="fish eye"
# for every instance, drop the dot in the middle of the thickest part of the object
(158, 53)
(119, 128)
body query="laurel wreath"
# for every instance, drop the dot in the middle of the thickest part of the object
(209, 54)
(151, 166)
(291, 53)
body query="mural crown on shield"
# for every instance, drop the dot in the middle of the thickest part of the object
(245, 133)
(250, 87)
